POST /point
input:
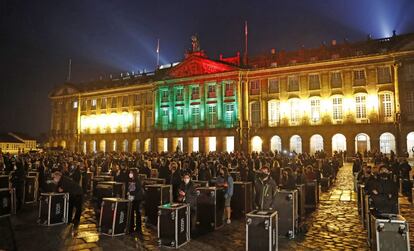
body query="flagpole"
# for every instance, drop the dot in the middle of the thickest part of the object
(158, 53)
(69, 70)
(245, 43)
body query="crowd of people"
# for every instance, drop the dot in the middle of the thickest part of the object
(268, 171)
(381, 176)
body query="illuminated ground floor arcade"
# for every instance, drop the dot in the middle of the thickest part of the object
(330, 138)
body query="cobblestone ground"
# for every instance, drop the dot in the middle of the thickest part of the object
(335, 225)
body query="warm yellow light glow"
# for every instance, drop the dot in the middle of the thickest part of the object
(349, 105)
(257, 144)
(113, 121)
(372, 102)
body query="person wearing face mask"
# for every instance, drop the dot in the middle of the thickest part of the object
(265, 189)
(288, 180)
(188, 194)
(67, 185)
(136, 196)
(225, 180)
(384, 193)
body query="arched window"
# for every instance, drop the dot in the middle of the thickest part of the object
(316, 143)
(362, 143)
(296, 144)
(276, 143)
(256, 144)
(387, 143)
(338, 143)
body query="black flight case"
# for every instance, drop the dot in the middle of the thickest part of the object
(53, 208)
(155, 195)
(242, 199)
(262, 231)
(173, 225)
(115, 216)
(210, 208)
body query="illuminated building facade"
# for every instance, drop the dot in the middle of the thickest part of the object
(348, 96)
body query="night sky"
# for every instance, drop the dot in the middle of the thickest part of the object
(104, 37)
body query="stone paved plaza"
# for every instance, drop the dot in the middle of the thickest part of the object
(335, 225)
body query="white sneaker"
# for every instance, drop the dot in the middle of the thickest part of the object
(228, 221)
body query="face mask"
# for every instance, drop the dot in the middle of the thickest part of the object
(131, 175)
(186, 181)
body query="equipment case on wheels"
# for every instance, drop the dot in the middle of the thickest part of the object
(7, 201)
(115, 216)
(286, 207)
(389, 232)
(155, 196)
(262, 231)
(53, 208)
(241, 202)
(31, 186)
(210, 208)
(173, 225)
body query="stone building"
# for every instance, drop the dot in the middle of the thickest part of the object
(340, 96)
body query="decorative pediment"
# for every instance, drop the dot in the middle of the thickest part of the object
(196, 65)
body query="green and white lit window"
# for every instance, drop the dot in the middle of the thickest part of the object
(195, 92)
(229, 117)
(195, 115)
(164, 96)
(212, 91)
(229, 89)
(212, 115)
(179, 94)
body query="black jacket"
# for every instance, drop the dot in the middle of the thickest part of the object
(190, 194)
(265, 192)
(70, 186)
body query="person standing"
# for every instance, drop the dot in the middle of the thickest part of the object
(265, 190)
(188, 194)
(136, 196)
(67, 185)
(225, 180)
